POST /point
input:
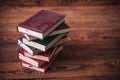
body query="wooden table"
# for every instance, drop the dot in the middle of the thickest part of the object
(91, 53)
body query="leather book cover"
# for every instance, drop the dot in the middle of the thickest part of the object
(42, 21)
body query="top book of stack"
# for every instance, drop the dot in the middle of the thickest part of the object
(41, 24)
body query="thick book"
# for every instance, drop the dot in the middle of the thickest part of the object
(33, 51)
(46, 56)
(45, 44)
(42, 68)
(41, 24)
(29, 49)
(32, 61)
(63, 28)
(61, 41)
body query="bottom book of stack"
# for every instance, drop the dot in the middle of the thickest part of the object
(40, 62)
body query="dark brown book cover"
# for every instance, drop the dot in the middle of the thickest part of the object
(62, 27)
(42, 21)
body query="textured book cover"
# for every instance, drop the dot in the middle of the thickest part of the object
(41, 24)
(63, 28)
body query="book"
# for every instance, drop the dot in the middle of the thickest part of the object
(33, 51)
(28, 48)
(63, 28)
(32, 61)
(45, 44)
(61, 41)
(41, 24)
(42, 68)
(45, 56)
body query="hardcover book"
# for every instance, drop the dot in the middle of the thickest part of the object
(59, 42)
(41, 24)
(32, 61)
(29, 49)
(42, 68)
(46, 56)
(63, 28)
(45, 44)
(33, 51)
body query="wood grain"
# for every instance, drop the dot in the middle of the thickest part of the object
(92, 51)
(64, 69)
(95, 29)
(31, 3)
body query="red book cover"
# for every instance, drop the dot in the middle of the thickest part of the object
(42, 68)
(45, 56)
(32, 61)
(41, 56)
(63, 28)
(41, 22)
(37, 60)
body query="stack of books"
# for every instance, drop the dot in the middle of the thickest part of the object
(44, 35)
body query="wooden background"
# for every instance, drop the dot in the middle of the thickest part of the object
(93, 48)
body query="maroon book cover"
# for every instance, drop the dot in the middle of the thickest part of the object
(42, 68)
(42, 21)
(63, 28)
(32, 61)
(37, 60)
(40, 56)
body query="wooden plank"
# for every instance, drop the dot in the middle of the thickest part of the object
(29, 3)
(104, 18)
(111, 42)
(91, 36)
(86, 78)
(92, 49)
(65, 69)
(72, 50)
(85, 35)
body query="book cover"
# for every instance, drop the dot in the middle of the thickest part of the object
(41, 24)
(32, 61)
(45, 44)
(63, 28)
(28, 48)
(42, 68)
(46, 56)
